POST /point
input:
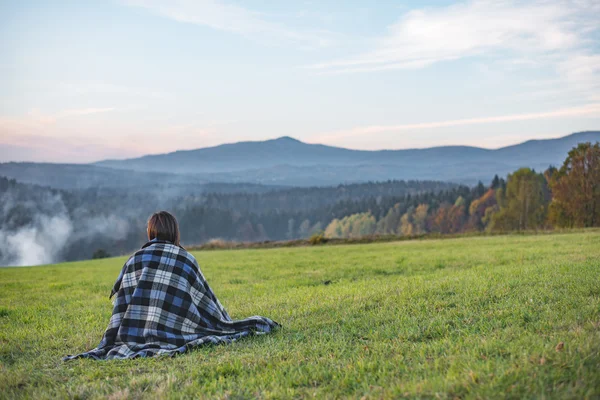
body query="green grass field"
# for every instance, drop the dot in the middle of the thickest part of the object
(469, 318)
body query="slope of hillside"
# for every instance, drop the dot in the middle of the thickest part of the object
(291, 152)
(289, 162)
(540, 151)
(461, 318)
(239, 156)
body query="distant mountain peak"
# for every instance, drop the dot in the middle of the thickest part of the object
(287, 139)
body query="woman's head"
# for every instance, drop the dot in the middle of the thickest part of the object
(163, 226)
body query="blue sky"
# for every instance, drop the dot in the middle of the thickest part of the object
(82, 81)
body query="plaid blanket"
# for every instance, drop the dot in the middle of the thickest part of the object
(164, 305)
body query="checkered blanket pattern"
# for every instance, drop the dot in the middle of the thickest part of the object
(164, 306)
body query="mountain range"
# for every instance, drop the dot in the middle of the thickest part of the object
(290, 162)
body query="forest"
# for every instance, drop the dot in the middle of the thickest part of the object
(41, 225)
(527, 200)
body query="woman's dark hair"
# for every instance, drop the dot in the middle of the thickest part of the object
(163, 226)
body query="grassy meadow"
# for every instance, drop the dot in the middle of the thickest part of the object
(478, 317)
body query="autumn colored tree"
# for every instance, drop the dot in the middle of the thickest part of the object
(481, 207)
(407, 227)
(352, 226)
(448, 218)
(390, 224)
(333, 230)
(549, 174)
(576, 188)
(420, 219)
(524, 203)
(457, 215)
(440, 220)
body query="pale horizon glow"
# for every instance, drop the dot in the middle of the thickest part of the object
(86, 81)
(591, 109)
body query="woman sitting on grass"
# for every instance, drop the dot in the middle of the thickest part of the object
(164, 305)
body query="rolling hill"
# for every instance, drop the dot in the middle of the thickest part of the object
(285, 161)
(289, 162)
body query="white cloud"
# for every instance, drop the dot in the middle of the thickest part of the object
(222, 16)
(520, 30)
(590, 110)
(582, 70)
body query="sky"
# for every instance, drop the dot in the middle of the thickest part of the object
(82, 81)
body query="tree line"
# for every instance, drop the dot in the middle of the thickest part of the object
(527, 200)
